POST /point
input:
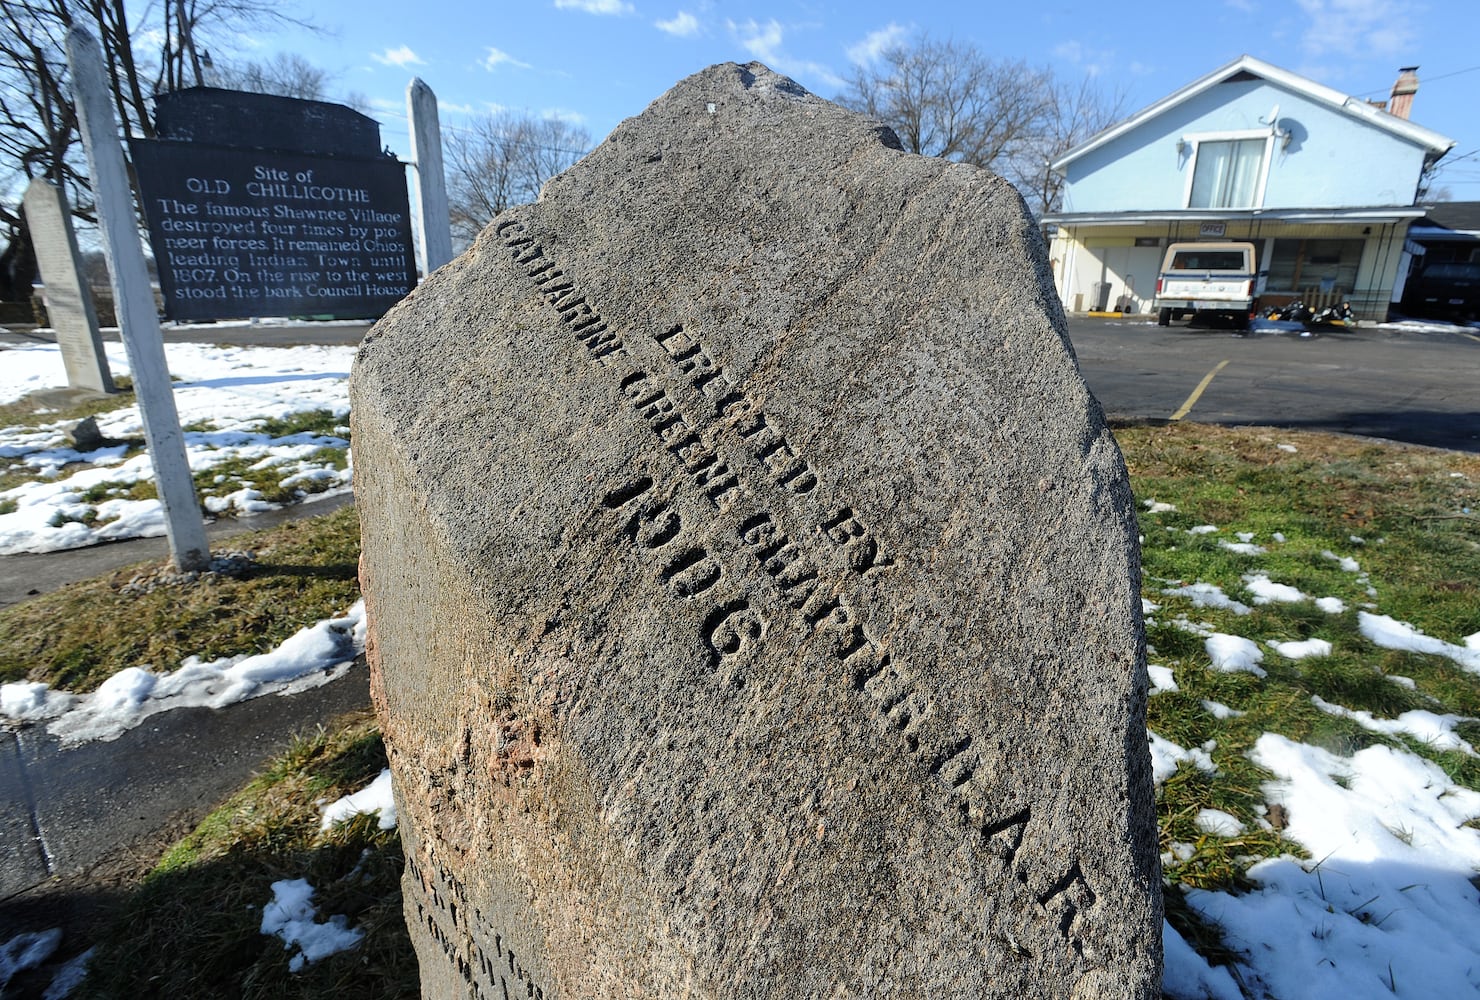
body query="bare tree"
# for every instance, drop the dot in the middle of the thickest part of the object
(944, 98)
(947, 99)
(1075, 112)
(284, 74)
(38, 120)
(503, 159)
(38, 126)
(189, 28)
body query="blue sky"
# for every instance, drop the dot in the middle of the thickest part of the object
(599, 61)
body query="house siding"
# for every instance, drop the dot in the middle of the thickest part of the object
(1142, 170)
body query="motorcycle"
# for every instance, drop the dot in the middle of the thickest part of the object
(1294, 312)
(1337, 317)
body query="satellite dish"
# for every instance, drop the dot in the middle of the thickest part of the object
(1273, 121)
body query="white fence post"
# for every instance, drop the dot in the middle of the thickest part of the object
(430, 204)
(133, 301)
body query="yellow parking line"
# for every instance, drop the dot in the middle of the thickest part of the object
(1192, 399)
(1472, 337)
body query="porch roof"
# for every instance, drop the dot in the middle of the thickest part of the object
(1381, 214)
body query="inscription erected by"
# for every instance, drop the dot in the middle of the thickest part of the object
(733, 630)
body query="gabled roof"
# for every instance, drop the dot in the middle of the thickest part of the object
(1462, 216)
(1435, 144)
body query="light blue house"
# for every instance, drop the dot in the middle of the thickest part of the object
(1325, 185)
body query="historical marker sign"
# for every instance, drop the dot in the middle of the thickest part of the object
(247, 231)
(753, 584)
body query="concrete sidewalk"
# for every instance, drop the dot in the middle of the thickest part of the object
(78, 823)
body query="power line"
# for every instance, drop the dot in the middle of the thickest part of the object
(1427, 79)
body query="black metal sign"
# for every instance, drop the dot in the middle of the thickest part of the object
(243, 232)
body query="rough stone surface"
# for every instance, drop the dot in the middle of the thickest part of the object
(753, 583)
(69, 304)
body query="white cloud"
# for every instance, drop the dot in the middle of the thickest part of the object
(402, 57)
(873, 47)
(1090, 60)
(498, 57)
(1358, 28)
(763, 42)
(596, 6)
(460, 109)
(565, 115)
(683, 25)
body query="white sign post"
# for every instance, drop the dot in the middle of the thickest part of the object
(133, 301)
(434, 221)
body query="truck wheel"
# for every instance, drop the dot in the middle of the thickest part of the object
(1164, 318)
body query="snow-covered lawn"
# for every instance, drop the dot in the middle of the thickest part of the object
(223, 394)
(1385, 904)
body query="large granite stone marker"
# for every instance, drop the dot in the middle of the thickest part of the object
(753, 584)
(69, 303)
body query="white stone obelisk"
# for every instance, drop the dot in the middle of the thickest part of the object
(433, 220)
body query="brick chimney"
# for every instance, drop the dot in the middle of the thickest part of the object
(1401, 103)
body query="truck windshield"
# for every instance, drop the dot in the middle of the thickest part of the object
(1209, 260)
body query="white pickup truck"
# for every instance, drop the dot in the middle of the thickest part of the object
(1216, 278)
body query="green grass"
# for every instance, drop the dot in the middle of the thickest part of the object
(77, 637)
(1420, 552)
(321, 427)
(193, 928)
(34, 411)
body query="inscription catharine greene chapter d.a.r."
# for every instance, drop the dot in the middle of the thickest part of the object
(726, 449)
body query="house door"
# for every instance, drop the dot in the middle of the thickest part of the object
(1129, 277)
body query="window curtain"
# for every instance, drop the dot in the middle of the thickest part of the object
(1227, 173)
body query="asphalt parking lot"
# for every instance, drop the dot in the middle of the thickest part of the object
(1417, 385)
(1411, 385)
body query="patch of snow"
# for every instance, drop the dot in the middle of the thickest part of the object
(1282, 446)
(1381, 902)
(375, 797)
(1218, 823)
(26, 951)
(1166, 755)
(1218, 710)
(312, 656)
(1157, 507)
(231, 389)
(1301, 650)
(1242, 548)
(1207, 595)
(1427, 727)
(1188, 976)
(1232, 654)
(1331, 605)
(1390, 633)
(1347, 562)
(68, 977)
(290, 916)
(32, 701)
(1266, 591)
(1203, 529)
(1161, 679)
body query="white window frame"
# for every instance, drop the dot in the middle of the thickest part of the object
(1196, 140)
